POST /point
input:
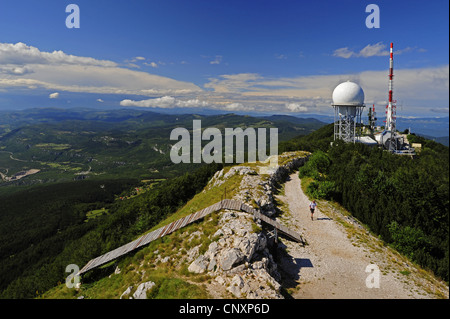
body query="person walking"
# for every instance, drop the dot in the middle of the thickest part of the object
(312, 207)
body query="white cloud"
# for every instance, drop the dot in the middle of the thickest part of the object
(14, 70)
(440, 110)
(377, 49)
(370, 50)
(20, 53)
(343, 53)
(191, 103)
(164, 102)
(133, 65)
(280, 56)
(99, 80)
(296, 107)
(152, 64)
(35, 69)
(235, 106)
(217, 60)
(54, 95)
(418, 90)
(232, 82)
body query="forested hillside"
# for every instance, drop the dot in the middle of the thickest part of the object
(405, 201)
(62, 145)
(50, 230)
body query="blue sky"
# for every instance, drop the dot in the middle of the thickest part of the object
(241, 56)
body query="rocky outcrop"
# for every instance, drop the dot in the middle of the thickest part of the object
(239, 259)
(141, 291)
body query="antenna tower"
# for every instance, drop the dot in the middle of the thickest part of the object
(391, 112)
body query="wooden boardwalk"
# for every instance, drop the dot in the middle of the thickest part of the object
(182, 222)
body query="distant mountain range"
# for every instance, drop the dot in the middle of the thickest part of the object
(434, 128)
(50, 145)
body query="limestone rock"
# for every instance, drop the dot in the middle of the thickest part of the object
(192, 253)
(141, 291)
(126, 292)
(237, 283)
(230, 258)
(199, 265)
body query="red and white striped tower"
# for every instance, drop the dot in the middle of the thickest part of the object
(374, 116)
(390, 112)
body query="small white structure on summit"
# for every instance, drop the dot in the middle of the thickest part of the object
(348, 103)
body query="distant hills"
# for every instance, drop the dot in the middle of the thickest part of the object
(68, 144)
(436, 129)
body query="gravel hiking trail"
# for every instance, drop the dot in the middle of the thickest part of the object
(333, 263)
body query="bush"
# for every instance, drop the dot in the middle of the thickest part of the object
(317, 166)
(408, 240)
(321, 190)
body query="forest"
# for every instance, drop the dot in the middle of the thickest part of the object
(55, 233)
(405, 201)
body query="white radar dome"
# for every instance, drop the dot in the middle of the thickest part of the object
(348, 94)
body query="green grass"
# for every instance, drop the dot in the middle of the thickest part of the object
(53, 146)
(175, 288)
(95, 213)
(65, 166)
(204, 199)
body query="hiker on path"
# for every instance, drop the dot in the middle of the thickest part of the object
(312, 207)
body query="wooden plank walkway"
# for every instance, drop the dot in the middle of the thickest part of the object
(182, 222)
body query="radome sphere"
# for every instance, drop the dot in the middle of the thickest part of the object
(348, 94)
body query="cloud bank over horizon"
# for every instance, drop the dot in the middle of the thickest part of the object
(24, 67)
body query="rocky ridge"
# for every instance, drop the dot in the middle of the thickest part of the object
(240, 260)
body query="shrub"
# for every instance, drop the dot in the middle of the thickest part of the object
(321, 190)
(408, 240)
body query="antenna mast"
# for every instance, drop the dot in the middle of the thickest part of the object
(391, 107)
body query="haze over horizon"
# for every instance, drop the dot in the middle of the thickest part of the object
(269, 57)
